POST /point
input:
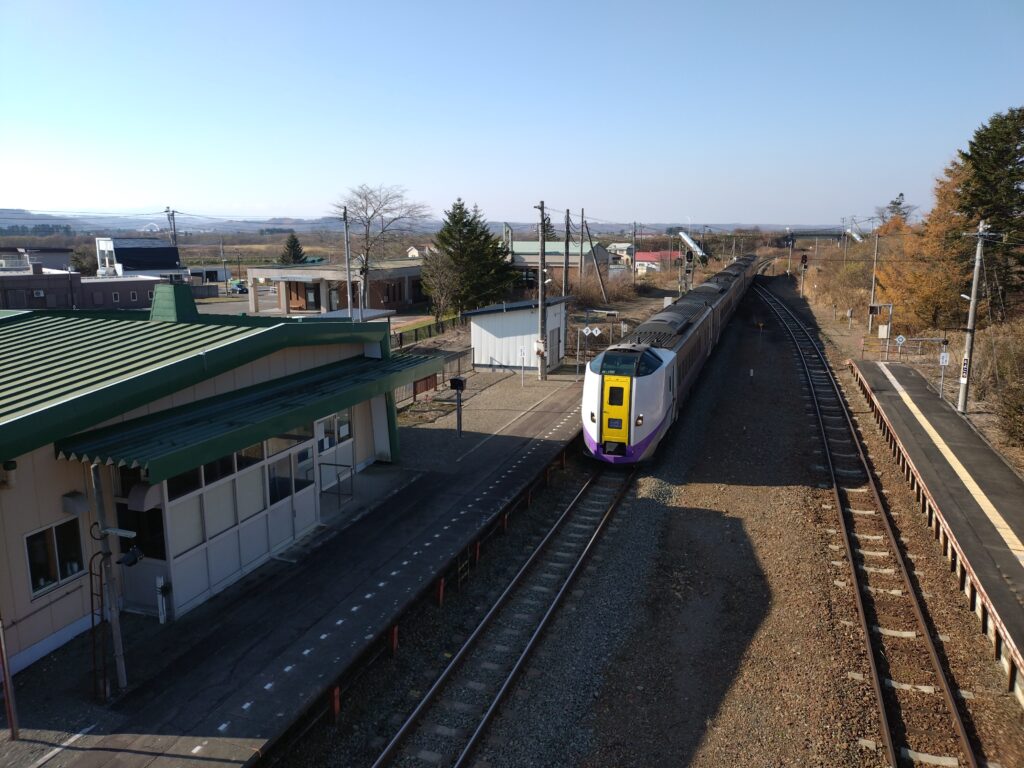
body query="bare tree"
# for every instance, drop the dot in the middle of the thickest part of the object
(377, 214)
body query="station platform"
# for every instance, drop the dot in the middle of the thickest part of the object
(221, 684)
(974, 500)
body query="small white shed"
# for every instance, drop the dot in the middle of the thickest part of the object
(505, 335)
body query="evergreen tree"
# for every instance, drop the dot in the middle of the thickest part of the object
(292, 253)
(471, 264)
(994, 191)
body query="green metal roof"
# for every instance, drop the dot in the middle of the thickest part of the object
(65, 371)
(173, 441)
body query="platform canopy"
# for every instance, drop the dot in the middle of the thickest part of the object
(170, 442)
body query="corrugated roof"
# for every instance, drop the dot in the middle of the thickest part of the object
(62, 372)
(170, 442)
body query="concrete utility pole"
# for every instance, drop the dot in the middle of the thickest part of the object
(965, 369)
(632, 261)
(874, 266)
(581, 246)
(109, 595)
(542, 315)
(565, 258)
(348, 267)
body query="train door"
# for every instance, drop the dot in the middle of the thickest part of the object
(615, 398)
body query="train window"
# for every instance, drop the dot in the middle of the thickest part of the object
(649, 363)
(615, 395)
(619, 363)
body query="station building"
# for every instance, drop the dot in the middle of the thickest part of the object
(392, 284)
(214, 441)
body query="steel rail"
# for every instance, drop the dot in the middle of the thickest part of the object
(776, 304)
(413, 720)
(535, 637)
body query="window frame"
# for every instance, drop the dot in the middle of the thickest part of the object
(61, 581)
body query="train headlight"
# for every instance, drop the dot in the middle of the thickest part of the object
(639, 420)
(593, 418)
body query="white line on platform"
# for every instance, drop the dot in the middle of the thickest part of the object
(506, 426)
(1008, 536)
(64, 745)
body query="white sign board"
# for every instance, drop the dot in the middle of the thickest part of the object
(586, 330)
(596, 332)
(964, 368)
(943, 359)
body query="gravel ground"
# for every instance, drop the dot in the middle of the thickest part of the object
(710, 632)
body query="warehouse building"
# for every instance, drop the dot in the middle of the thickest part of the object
(204, 443)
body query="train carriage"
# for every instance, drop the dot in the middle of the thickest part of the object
(633, 391)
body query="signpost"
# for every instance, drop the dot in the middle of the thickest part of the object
(943, 362)
(458, 384)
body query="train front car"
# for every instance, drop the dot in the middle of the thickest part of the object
(627, 402)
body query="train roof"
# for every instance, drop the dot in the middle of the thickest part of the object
(674, 319)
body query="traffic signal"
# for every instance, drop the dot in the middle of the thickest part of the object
(689, 257)
(803, 261)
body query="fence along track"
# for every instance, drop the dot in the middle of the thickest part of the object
(453, 715)
(907, 710)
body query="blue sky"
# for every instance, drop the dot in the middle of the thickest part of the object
(728, 111)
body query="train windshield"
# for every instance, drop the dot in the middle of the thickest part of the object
(619, 362)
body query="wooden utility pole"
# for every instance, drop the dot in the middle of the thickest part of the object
(542, 314)
(565, 259)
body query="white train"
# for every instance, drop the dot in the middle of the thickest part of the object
(633, 391)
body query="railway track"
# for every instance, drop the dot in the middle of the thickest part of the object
(919, 717)
(451, 718)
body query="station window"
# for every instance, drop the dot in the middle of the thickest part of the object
(149, 531)
(283, 442)
(135, 295)
(150, 294)
(115, 297)
(54, 555)
(344, 421)
(219, 468)
(186, 482)
(280, 479)
(249, 456)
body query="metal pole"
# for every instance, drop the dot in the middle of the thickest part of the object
(965, 369)
(12, 713)
(581, 246)
(108, 584)
(458, 413)
(789, 268)
(578, 332)
(542, 315)
(874, 265)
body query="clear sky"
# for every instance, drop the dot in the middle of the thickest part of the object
(727, 111)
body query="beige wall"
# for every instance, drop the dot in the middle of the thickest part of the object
(32, 504)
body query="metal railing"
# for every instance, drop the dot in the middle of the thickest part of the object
(401, 339)
(455, 364)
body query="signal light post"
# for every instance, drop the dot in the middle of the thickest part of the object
(803, 272)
